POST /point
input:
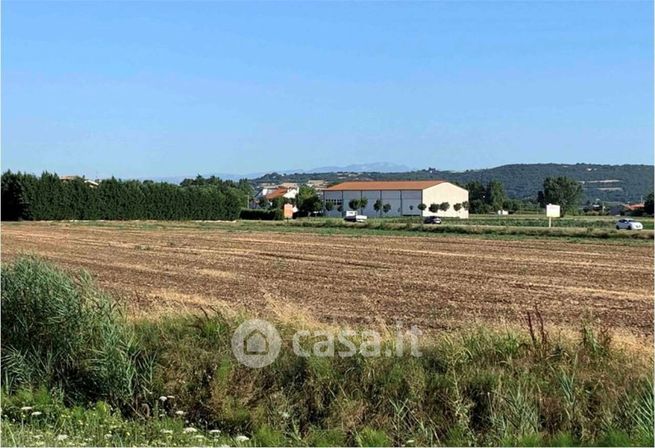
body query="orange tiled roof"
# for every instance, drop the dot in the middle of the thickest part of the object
(386, 185)
(277, 193)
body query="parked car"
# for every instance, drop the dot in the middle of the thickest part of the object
(432, 220)
(628, 224)
(352, 216)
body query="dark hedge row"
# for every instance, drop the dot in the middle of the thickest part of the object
(262, 215)
(25, 196)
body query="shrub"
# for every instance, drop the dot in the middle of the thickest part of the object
(377, 205)
(59, 331)
(261, 215)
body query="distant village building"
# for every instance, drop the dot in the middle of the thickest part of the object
(268, 193)
(282, 192)
(403, 198)
(264, 188)
(90, 183)
(317, 184)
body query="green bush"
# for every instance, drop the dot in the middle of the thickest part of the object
(60, 331)
(261, 214)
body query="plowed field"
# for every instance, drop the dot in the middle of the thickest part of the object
(435, 283)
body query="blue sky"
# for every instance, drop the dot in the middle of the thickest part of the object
(140, 89)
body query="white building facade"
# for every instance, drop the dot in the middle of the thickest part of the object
(402, 198)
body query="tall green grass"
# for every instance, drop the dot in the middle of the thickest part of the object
(60, 331)
(79, 360)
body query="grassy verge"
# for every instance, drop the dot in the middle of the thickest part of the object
(537, 220)
(487, 230)
(75, 372)
(328, 226)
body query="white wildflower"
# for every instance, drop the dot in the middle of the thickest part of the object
(284, 414)
(26, 408)
(199, 436)
(215, 431)
(190, 429)
(61, 437)
(36, 413)
(167, 431)
(170, 397)
(241, 438)
(180, 412)
(410, 442)
(163, 398)
(108, 436)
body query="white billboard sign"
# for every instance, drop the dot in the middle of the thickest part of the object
(552, 211)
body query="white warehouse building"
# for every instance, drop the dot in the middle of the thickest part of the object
(403, 198)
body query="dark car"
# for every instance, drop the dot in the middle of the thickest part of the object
(432, 220)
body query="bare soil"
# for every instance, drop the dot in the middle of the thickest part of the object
(436, 283)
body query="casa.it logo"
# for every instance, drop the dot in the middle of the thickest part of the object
(256, 343)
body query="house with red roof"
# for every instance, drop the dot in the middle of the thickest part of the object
(270, 193)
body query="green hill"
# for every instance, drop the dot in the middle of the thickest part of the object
(611, 183)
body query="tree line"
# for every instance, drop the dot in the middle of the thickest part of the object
(48, 197)
(561, 190)
(382, 207)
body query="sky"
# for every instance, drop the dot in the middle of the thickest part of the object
(149, 89)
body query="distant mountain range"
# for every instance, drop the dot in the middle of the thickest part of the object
(378, 167)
